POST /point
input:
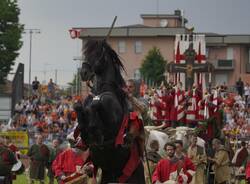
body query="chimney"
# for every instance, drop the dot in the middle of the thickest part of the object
(177, 12)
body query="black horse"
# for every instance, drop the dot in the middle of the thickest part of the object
(102, 117)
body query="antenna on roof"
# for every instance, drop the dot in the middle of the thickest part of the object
(157, 7)
(182, 18)
(111, 28)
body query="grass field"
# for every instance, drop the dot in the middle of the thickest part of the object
(22, 179)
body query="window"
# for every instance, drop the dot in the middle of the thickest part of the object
(121, 47)
(220, 79)
(248, 55)
(207, 52)
(137, 74)
(225, 63)
(138, 47)
(230, 53)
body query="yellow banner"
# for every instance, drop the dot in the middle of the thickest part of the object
(19, 138)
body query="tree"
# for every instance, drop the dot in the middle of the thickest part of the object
(75, 84)
(153, 66)
(10, 36)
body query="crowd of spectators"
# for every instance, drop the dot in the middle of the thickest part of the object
(53, 118)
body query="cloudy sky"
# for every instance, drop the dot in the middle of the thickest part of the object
(54, 49)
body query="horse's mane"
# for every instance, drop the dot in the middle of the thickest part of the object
(100, 50)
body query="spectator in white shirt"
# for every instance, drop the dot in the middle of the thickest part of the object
(247, 91)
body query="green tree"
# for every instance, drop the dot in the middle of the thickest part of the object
(10, 36)
(75, 84)
(153, 66)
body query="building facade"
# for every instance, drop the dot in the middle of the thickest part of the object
(230, 54)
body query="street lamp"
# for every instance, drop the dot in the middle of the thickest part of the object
(31, 31)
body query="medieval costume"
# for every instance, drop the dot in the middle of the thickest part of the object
(73, 163)
(198, 156)
(180, 170)
(168, 100)
(239, 158)
(7, 160)
(152, 160)
(68, 162)
(247, 169)
(39, 156)
(221, 165)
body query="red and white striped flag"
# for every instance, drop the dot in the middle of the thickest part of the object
(191, 109)
(206, 108)
(74, 33)
(201, 107)
(215, 100)
(179, 99)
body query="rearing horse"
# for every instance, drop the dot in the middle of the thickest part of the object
(102, 119)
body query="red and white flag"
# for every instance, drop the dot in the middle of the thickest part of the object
(74, 33)
(191, 109)
(201, 107)
(179, 100)
(215, 100)
(206, 108)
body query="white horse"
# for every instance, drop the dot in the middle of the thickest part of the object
(170, 134)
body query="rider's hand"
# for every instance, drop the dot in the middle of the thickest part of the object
(241, 169)
(62, 177)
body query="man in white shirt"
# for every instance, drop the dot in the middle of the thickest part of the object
(247, 92)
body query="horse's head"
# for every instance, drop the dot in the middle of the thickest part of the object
(102, 59)
(96, 55)
(86, 72)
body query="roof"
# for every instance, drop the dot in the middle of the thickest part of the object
(160, 16)
(134, 26)
(139, 30)
(209, 33)
(227, 39)
(132, 31)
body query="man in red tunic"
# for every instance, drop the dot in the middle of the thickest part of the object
(172, 168)
(74, 160)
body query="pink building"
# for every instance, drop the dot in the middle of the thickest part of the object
(230, 54)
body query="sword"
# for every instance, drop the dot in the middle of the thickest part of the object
(111, 28)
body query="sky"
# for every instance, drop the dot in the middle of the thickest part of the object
(53, 49)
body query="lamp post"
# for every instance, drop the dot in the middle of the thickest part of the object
(31, 31)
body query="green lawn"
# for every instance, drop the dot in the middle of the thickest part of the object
(22, 179)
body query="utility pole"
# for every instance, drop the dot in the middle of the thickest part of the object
(45, 71)
(55, 76)
(31, 31)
